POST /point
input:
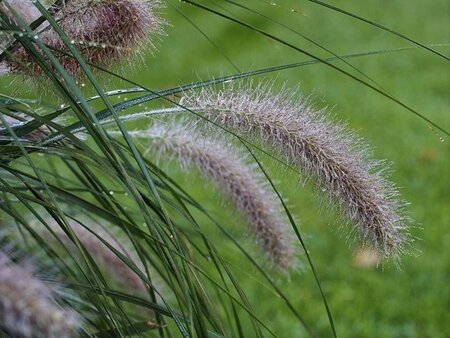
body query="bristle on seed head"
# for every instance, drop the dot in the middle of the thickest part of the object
(103, 31)
(228, 170)
(28, 306)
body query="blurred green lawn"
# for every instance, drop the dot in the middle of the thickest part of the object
(415, 300)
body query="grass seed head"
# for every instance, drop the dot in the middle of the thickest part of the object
(24, 8)
(103, 31)
(327, 152)
(28, 305)
(107, 258)
(239, 181)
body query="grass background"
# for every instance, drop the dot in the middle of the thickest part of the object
(413, 301)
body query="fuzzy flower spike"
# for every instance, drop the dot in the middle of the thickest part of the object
(114, 266)
(28, 307)
(235, 178)
(326, 152)
(104, 31)
(24, 8)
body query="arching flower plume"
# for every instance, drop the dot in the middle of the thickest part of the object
(239, 181)
(28, 306)
(106, 247)
(116, 268)
(24, 8)
(324, 151)
(104, 31)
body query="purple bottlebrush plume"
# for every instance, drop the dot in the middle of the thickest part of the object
(326, 152)
(24, 8)
(104, 31)
(28, 306)
(106, 258)
(27, 12)
(238, 180)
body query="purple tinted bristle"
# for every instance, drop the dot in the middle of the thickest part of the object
(28, 305)
(103, 31)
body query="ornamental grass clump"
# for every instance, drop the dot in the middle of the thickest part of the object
(103, 31)
(241, 182)
(325, 151)
(28, 306)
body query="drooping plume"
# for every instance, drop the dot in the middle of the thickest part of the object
(104, 31)
(24, 8)
(243, 185)
(28, 307)
(324, 151)
(116, 268)
(106, 248)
